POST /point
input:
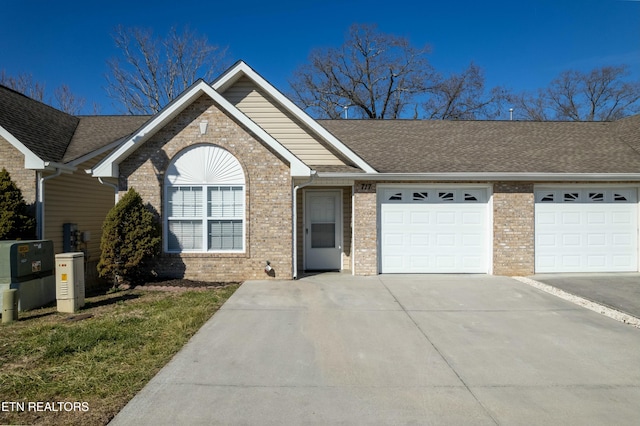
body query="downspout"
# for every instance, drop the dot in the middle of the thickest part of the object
(40, 201)
(314, 174)
(113, 185)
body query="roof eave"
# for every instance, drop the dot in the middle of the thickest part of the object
(108, 167)
(31, 160)
(487, 176)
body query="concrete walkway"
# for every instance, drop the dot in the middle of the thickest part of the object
(398, 349)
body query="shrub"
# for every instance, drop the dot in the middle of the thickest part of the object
(130, 240)
(15, 220)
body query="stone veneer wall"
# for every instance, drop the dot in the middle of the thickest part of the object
(268, 195)
(513, 229)
(365, 245)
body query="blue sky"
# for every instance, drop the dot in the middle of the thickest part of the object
(520, 44)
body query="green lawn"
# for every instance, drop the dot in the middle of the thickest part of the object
(65, 370)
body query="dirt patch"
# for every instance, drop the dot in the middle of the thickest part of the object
(181, 284)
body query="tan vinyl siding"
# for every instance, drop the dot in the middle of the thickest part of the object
(279, 123)
(81, 199)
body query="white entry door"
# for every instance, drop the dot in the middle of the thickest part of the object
(586, 230)
(323, 230)
(433, 230)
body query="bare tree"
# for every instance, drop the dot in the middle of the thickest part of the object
(24, 84)
(379, 75)
(602, 94)
(66, 101)
(463, 97)
(153, 71)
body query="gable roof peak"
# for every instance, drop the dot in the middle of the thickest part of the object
(241, 69)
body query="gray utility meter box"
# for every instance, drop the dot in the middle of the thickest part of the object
(28, 266)
(70, 281)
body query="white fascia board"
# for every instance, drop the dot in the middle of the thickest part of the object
(538, 177)
(109, 167)
(241, 68)
(31, 160)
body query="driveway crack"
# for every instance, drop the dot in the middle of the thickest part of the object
(433, 345)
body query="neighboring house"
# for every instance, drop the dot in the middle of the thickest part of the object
(240, 176)
(46, 153)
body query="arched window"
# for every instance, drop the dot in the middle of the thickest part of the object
(205, 201)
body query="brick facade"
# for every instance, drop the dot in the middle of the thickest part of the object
(365, 244)
(513, 229)
(13, 161)
(268, 195)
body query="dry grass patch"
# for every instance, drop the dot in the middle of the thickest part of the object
(98, 359)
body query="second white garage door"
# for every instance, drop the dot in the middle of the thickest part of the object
(434, 230)
(586, 230)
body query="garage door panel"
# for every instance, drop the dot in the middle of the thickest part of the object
(596, 218)
(445, 240)
(594, 240)
(599, 261)
(546, 218)
(622, 240)
(473, 240)
(622, 261)
(621, 218)
(571, 240)
(586, 231)
(394, 240)
(392, 217)
(419, 240)
(445, 263)
(571, 261)
(442, 231)
(472, 262)
(420, 218)
(546, 240)
(570, 218)
(446, 218)
(471, 218)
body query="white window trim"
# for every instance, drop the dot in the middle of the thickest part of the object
(212, 167)
(205, 219)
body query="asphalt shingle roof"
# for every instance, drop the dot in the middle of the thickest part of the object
(419, 146)
(95, 132)
(56, 136)
(389, 146)
(46, 131)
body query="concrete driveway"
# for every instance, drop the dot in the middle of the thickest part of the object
(619, 291)
(398, 349)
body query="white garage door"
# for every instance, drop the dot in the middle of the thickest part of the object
(431, 230)
(586, 230)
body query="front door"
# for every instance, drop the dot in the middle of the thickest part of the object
(323, 230)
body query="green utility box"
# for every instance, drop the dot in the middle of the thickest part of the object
(28, 266)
